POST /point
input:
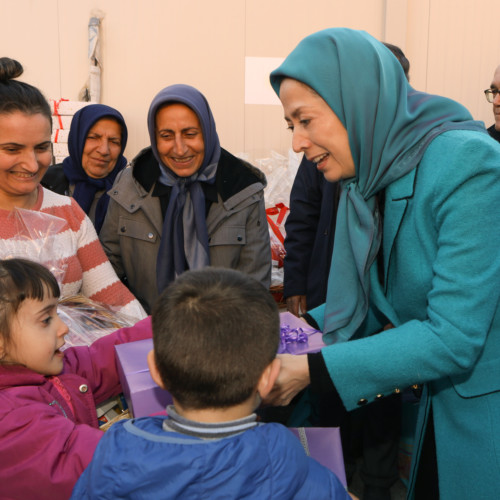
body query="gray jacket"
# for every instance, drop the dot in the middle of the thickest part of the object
(236, 223)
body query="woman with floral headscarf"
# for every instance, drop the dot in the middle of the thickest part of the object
(96, 142)
(417, 248)
(185, 203)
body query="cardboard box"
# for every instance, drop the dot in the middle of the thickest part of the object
(66, 107)
(314, 337)
(60, 150)
(142, 394)
(63, 122)
(60, 135)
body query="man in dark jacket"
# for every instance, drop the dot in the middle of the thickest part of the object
(310, 229)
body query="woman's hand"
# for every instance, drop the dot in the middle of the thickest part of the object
(296, 304)
(293, 377)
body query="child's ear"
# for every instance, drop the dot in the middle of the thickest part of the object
(268, 377)
(153, 369)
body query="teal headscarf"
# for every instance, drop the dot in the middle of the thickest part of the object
(389, 125)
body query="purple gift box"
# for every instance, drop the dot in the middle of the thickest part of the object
(324, 445)
(144, 397)
(142, 394)
(297, 337)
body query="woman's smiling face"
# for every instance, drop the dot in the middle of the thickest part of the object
(25, 156)
(317, 131)
(179, 139)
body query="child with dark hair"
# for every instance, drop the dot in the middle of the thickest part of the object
(48, 419)
(215, 333)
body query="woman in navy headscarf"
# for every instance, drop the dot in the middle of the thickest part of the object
(416, 256)
(186, 203)
(96, 141)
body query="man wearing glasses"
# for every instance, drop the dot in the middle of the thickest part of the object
(493, 96)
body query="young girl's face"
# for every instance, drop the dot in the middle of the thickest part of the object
(37, 335)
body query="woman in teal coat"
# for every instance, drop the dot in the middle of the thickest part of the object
(416, 258)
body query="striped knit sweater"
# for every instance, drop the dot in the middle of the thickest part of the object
(75, 249)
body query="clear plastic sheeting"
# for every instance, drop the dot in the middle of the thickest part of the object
(280, 173)
(92, 90)
(35, 239)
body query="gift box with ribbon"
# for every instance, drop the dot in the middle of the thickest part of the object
(297, 337)
(144, 397)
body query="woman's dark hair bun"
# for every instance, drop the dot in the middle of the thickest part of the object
(9, 69)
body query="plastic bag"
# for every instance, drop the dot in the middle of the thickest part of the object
(34, 238)
(276, 217)
(280, 173)
(88, 320)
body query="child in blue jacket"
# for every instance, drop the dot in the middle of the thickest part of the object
(216, 333)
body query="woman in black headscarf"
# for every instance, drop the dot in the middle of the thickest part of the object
(96, 141)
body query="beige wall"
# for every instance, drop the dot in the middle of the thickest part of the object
(453, 47)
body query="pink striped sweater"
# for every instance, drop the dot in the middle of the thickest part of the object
(75, 248)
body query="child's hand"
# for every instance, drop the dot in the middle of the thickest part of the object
(352, 495)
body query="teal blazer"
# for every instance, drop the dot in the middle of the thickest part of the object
(441, 252)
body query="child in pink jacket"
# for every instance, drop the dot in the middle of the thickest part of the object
(48, 420)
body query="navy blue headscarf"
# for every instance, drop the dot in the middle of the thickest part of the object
(389, 125)
(184, 240)
(85, 186)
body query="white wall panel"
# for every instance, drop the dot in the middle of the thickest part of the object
(453, 47)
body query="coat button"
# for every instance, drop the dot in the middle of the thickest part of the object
(397, 390)
(115, 192)
(123, 229)
(132, 207)
(151, 236)
(240, 238)
(83, 388)
(379, 396)
(362, 402)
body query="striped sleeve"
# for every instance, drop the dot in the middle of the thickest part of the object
(88, 270)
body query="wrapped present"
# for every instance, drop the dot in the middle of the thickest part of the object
(324, 445)
(143, 396)
(59, 135)
(60, 149)
(66, 107)
(63, 122)
(297, 337)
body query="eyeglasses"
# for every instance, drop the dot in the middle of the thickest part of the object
(491, 94)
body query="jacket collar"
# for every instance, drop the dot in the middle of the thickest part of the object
(396, 199)
(234, 176)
